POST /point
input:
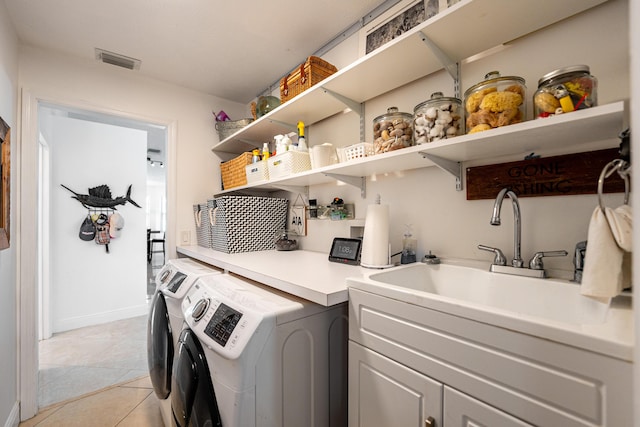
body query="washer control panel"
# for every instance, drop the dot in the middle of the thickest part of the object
(224, 316)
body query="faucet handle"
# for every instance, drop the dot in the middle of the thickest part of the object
(536, 261)
(499, 259)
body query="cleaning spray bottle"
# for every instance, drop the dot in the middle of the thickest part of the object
(302, 143)
(287, 144)
(409, 246)
(279, 147)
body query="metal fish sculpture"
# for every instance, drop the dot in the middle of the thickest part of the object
(100, 197)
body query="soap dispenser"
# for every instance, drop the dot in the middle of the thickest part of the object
(409, 246)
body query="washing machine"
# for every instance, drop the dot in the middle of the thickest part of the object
(165, 322)
(251, 356)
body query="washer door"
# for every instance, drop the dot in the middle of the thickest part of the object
(193, 401)
(159, 346)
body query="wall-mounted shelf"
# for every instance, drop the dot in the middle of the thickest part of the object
(585, 130)
(406, 59)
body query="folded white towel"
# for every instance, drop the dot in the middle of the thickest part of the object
(607, 266)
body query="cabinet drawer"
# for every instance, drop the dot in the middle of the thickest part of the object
(542, 382)
(385, 393)
(461, 410)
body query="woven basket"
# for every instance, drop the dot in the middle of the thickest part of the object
(312, 71)
(228, 128)
(233, 171)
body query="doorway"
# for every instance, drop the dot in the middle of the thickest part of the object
(82, 149)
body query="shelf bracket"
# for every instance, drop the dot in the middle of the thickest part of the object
(356, 181)
(451, 166)
(453, 68)
(356, 107)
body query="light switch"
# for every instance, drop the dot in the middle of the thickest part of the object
(185, 237)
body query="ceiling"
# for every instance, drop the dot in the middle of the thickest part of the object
(234, 49)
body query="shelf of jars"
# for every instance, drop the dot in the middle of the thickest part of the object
(580, 131)
(408, 58)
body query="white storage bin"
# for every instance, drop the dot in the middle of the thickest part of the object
(257, 172)
(288, 163)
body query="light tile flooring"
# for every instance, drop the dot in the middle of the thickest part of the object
(98, 376)
(132, 404)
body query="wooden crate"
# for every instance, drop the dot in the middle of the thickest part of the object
(312, 71)
(233, 171)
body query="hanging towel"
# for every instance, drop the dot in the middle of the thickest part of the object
(607, 265)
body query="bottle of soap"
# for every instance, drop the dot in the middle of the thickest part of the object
(302, 143)
(265, 151)
(409, 246)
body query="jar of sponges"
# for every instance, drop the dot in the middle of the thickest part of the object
(495, 102)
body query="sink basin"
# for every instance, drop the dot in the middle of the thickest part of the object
(548, 299)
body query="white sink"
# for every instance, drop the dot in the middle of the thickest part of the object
(547, 299)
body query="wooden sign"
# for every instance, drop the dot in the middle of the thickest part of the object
(546, 176)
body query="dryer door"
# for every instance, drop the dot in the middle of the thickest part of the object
(193, 400)
(159, 346)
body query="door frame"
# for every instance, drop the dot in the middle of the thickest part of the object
(27, 218)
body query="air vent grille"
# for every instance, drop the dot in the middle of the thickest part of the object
(117, 59)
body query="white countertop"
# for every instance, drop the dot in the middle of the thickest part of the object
(305, 274)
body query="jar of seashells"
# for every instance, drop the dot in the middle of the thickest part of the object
(438, 118)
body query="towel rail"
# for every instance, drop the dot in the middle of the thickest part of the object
(623, 169)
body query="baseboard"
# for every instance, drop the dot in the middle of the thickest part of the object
(99, 318)
(14, 416)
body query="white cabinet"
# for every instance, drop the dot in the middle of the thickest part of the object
(464, 411)
(409, 58)
(505, 377)
(385, 393)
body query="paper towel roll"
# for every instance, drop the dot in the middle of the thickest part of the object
(375, 242)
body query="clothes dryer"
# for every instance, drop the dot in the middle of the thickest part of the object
(271, 359)
(165, 323)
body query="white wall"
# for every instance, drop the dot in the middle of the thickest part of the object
(8, 281)
(87, 285)
(65, 80)
(443, 220)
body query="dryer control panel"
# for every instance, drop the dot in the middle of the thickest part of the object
(222, 324)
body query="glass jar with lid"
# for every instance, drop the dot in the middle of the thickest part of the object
(494, 102)
(392, 131)
(437, 118)
(565, 90)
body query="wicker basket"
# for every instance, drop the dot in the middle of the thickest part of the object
(233, 171)
(228, 128)
(312, 71)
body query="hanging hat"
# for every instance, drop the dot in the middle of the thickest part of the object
(87, 229)
(116, 224)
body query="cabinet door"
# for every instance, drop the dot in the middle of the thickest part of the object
(461, 410)
(385, 393)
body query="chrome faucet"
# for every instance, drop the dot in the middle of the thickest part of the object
(499, 265)
(517, 226)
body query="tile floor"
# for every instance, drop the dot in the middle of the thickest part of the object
(85, 360)
(98, 375)
(131, 404)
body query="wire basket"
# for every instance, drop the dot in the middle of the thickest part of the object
(228, 128)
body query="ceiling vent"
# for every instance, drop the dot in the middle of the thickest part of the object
(117, 59)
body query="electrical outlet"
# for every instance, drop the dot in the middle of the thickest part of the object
(185, 237)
